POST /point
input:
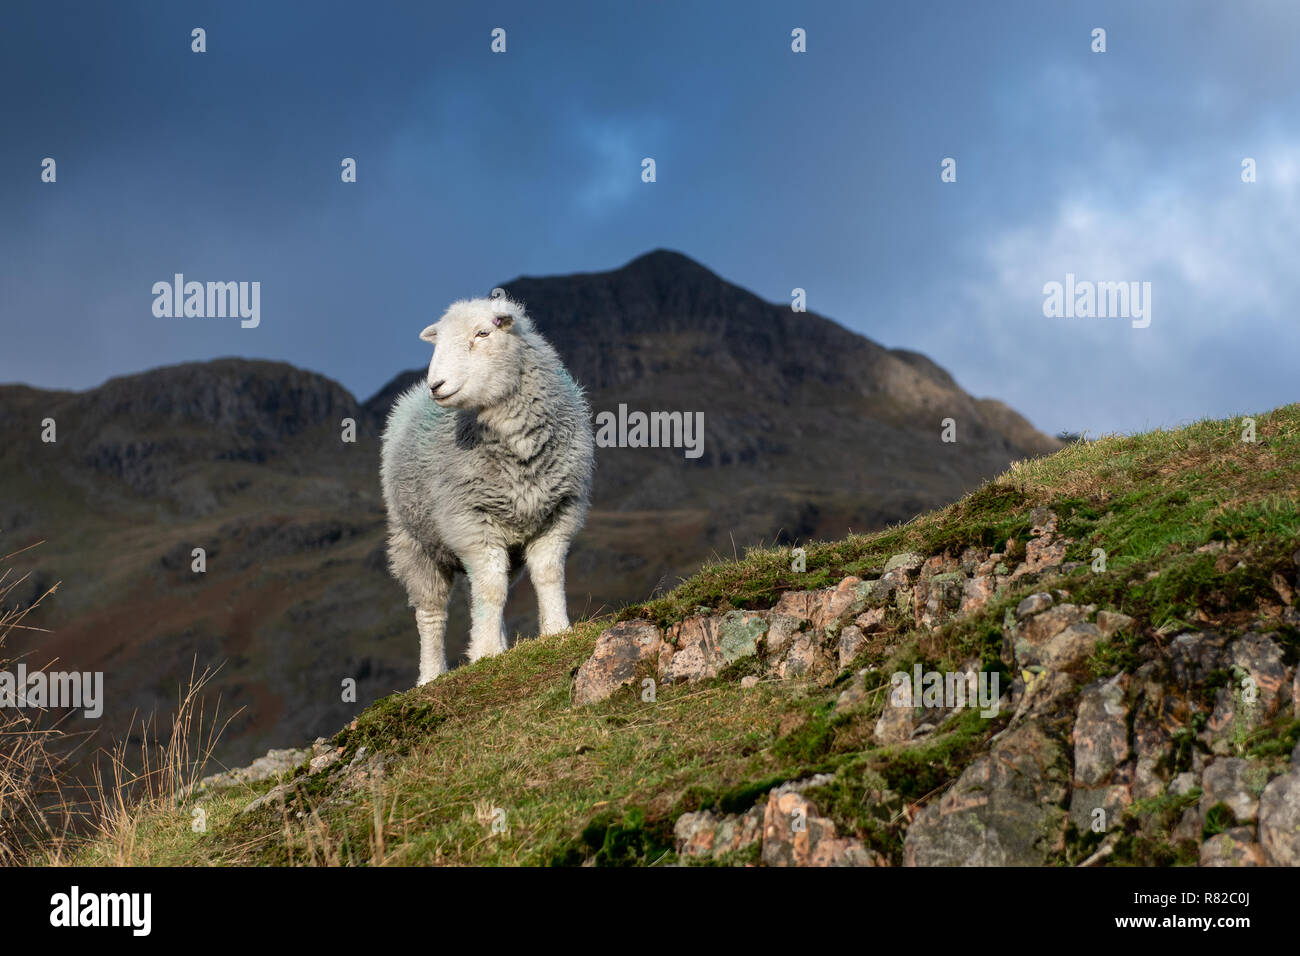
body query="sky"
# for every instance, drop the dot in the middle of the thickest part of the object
(778, 170)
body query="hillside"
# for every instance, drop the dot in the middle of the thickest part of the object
(811, 430)
(1149, 711)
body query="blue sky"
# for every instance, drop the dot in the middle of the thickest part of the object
(776, 170)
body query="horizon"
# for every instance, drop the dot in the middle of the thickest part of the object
(776, 170)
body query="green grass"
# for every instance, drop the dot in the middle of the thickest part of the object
(499, 743)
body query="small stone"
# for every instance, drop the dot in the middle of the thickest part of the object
(706, 834)
(1194, 656)
(323, 761)
(1261, 657)
(906, 561)
(1111, 623)
(896, 724)
(1033, 633)
(273, 797)
(1189, 826)
(976, 592)
(852, 640)
(938, 598)
(749, 681)
(614, 661)
(846, 598)
(1070, 647)
(781, 632)
(1040, 554)
(802, 657)
(1086, 801)
(854, 694)
(697, 656)
(797, 604)
(1236, 783)
(1235, 847)
(795, 835)
(870, 620)
(1033, 604)
(1042, 521)
(1239, 707)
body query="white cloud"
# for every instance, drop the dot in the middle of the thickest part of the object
(1221, 259)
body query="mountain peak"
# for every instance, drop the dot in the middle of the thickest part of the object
(666, 260)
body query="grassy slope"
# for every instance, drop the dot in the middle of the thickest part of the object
(611, 778)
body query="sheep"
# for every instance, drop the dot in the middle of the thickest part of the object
(491, 460)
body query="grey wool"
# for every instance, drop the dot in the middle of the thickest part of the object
(491, 459)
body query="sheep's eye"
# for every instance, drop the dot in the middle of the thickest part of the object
(481, 334)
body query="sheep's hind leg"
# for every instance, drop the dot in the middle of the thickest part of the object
(432, 624)
(489, 581)
(545, 557)
(431, 621)
(428, 584)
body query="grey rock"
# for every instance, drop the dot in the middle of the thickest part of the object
(1194, 656)
(1004, 810)
(1033, 604)
(615, 659)
(795, 835)
(272, 764)
(905, 561)
(1235, 782)
(1086, 801)
(1279, 820)
(852, 640)
(1111, 623)
(1101, 731)
(1235, 847)
(705, 834)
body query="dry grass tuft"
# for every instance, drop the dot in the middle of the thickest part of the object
(32, 811)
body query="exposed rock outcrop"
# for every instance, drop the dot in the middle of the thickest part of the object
(1080, 754)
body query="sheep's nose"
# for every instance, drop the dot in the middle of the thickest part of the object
(433, 389)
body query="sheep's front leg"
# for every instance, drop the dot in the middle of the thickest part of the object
(489, 580)
(545, 558)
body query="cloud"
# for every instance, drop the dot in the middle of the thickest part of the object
(1220, 259)
(610, 150)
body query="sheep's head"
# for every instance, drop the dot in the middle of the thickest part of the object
(477, 352)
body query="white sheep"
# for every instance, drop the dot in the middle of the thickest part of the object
(490, 461)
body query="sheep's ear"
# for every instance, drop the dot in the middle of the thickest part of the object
(429, 334)
(503, 320)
